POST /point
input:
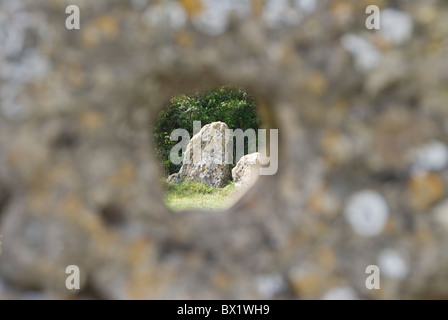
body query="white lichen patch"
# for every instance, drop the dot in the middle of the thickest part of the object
(367, 212)
(340, 293)
(365, 54)
(396, 26)
(172, 14)
(283, 13)
(268, 286)
(392, 264)
(307, 6)
(19, 63)
(214, 17)
(430, 157)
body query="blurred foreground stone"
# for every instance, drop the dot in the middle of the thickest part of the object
(356, 111)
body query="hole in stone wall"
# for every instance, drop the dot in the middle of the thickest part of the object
(209, 145)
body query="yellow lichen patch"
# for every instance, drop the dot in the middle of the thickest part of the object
(195, 259)
(307, 285)
(221, 280)
(44, 268)
(103, 27)
(54, 177)
(103, 240)
(425, 237)
(391, 225)
(321, 201)
(37, 201)
(320, 228)
(139, 251)
(141, 283)
(381, 43)
(57, 172)
(72, 204)
(107, 24)
(299, 238)
(287, 54)
(365, 3)
(74, 74)
(146, 280)
(91, 120)
(425, 189)
(192, 7)
(257, 7)
(315, 202)
(342, 9)
(73, 209)
(317, 84)
(336, 148)
(185, 39)
(326, 257)
(124, 176)
(427, 14)
(338, 112)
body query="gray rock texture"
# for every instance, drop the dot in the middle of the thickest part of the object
(206, 157)
(246, 171)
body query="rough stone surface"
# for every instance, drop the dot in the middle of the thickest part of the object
(80, 185)
(208, 164)
(174, 178)
(246, 171)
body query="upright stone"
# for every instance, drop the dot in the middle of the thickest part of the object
(205, 157)
(246, 171)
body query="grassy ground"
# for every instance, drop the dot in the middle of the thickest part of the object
(194, 195)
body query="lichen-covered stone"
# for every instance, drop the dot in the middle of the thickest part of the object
(207, 164)
(246, 171)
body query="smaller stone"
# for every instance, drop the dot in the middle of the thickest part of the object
(247, 169)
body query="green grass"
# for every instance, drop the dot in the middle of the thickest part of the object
(195, 195)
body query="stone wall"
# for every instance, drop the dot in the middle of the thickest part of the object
(362, 122)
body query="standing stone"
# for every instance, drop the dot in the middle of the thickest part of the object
(246, 171)
(208, 164)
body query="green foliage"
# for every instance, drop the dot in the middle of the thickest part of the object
(231, 105)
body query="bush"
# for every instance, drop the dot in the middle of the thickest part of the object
(233, 106)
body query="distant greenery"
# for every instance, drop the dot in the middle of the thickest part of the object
(193, 195)
(233, 106)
